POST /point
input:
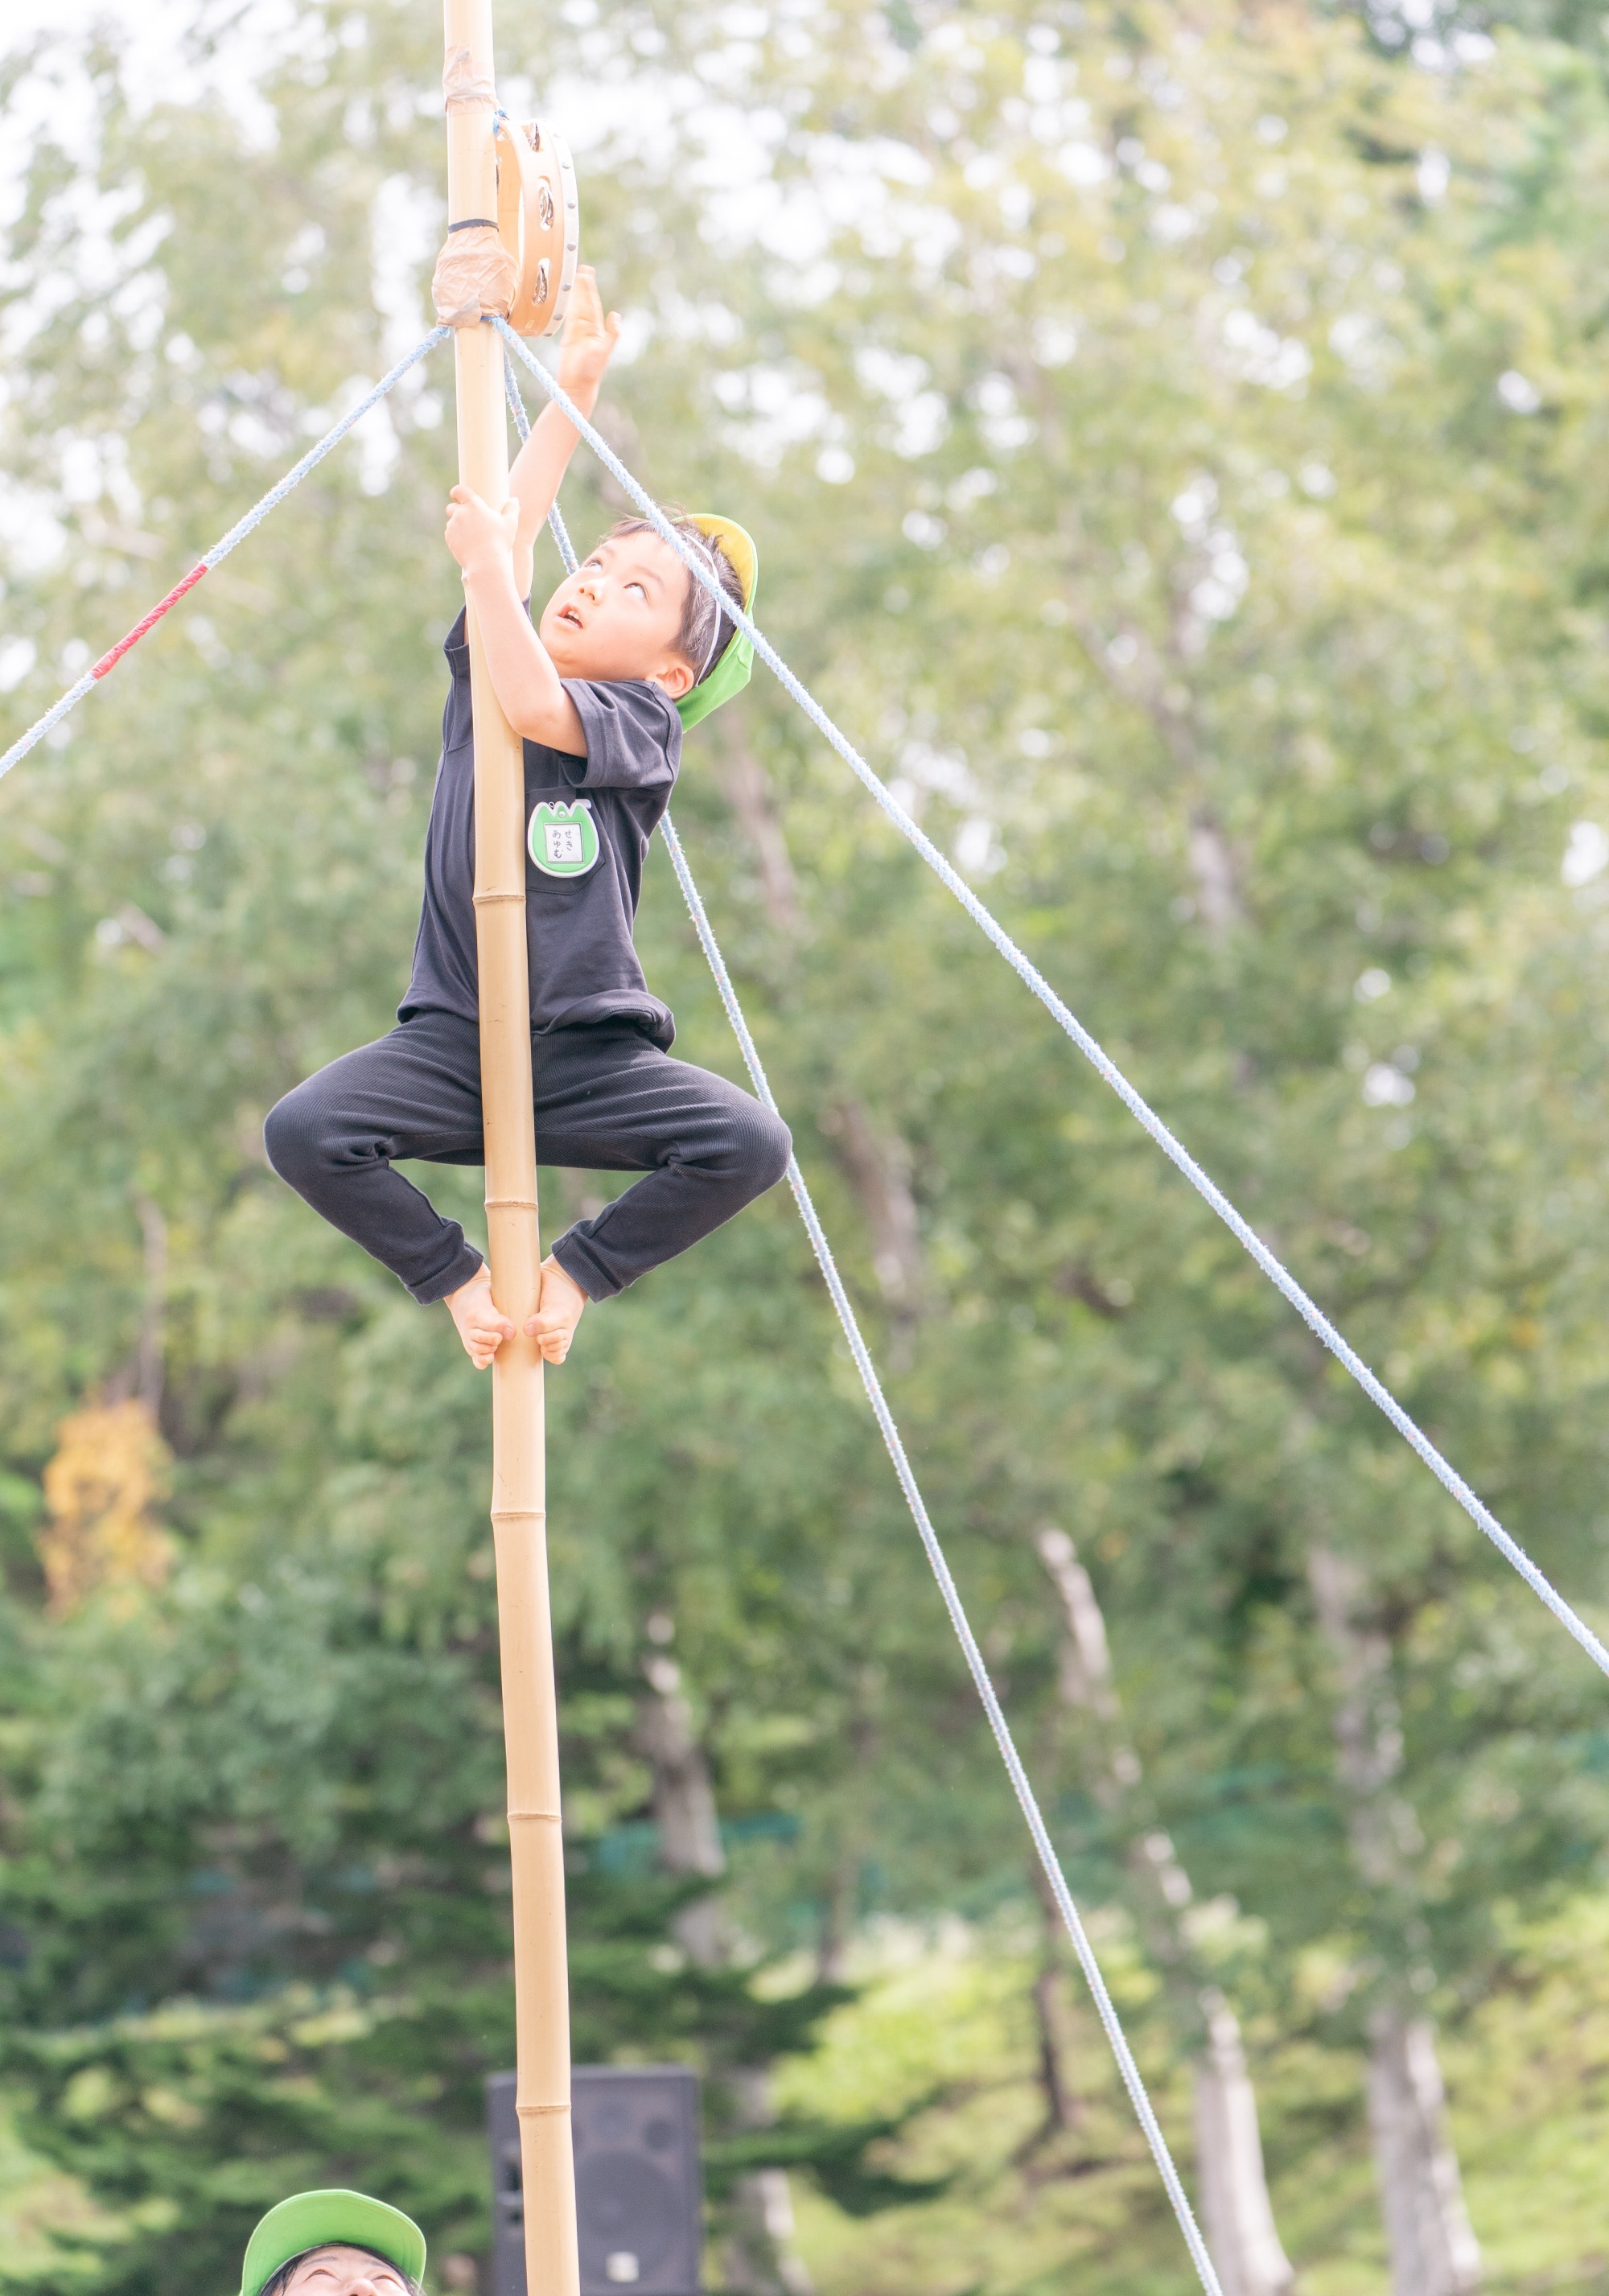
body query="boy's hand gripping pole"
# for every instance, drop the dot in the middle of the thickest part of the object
(519, 1480)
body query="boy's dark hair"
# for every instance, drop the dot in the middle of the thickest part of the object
(282, 2278)
(696, 641)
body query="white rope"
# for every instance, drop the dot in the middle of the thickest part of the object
(1104, 2006)
(41, 725)
(314, 455)
(1272, 1266)
(220, 550)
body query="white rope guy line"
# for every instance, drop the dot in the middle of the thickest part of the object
(237, 533)
(1105, 2005)
(1140, 1109)
(1105, 2008)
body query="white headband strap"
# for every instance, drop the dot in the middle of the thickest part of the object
(719, 617)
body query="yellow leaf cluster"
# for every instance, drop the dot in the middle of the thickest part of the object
(101, 1489)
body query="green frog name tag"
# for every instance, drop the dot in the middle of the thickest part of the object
(563, 837)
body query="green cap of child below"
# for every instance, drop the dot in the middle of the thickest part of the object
(332, 2218)
(736, 667)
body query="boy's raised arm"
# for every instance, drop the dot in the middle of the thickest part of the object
(522, 674)
(588, 344)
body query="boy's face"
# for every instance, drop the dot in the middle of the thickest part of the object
(617, 615)
(342, 2271)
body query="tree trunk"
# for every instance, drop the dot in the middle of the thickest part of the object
(1216, 883)
(1062, 2110)
(877, 1164)
(1433, 2250)
(759, 2257)
(837, 1923)
(879, 1169)
(153, 1229)
(747, 789)
(1236, 2212)
(684, 1806)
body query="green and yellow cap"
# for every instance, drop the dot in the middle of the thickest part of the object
(736, 667)
(325, 2219)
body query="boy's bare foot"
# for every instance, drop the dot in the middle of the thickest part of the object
(553, 1325)
(480, 1327)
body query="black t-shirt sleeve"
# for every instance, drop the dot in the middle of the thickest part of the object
(634, 736)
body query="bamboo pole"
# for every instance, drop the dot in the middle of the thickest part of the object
(519, 1480)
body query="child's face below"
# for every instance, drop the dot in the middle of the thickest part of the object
(616, 617)
(341, 2271)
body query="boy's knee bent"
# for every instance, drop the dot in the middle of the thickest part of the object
(297, 1138)
(767, 1146)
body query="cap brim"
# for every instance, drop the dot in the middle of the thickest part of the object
(736, 667)
(323, 2219)
(739, 546)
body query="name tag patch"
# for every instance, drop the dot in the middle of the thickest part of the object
(562, 839)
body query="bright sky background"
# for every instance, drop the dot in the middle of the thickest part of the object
(156, 25)
(24, 18)
(735, 163)
(153, 36)
(153, 31)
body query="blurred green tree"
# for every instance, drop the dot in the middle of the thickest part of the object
(1221, 577)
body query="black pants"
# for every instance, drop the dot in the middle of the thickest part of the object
(606, 1099)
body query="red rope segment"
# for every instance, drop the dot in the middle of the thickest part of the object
(110, 660)
(220, 550)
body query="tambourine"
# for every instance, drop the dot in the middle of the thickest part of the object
(539, 221)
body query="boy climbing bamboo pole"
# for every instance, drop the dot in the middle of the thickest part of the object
(526, 1021)
(629, 650)
(519, 1467)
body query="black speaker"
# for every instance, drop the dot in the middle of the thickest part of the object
(639, 2195)
(508, 2213)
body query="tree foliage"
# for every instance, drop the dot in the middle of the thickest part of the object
(1176, 451)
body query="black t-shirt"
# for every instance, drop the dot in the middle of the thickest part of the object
(588, 822)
